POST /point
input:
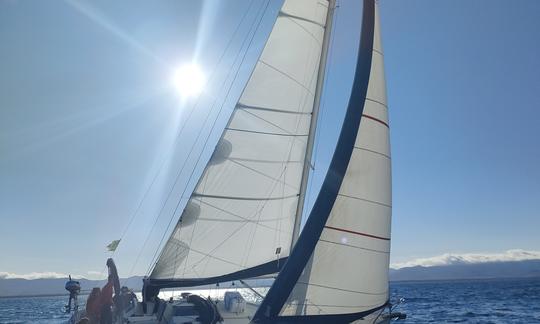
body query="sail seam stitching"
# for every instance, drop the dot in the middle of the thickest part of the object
(337, 306)
(366, 200)
(264, 133)
(243, 106)
(341, 289)
(267, 121)
(376, 101)
(356, 247)
(357, 233)
(242, 198)
(292, 19)
(375, 152)
(376, 119)
(247, 220)
(287, 15)
(286, 75)
(263, 161)
(265, 175)
(379, 52)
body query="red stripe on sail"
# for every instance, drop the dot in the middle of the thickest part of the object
(376, 119)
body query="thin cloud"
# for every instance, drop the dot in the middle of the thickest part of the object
(34, 275)
(95, 273)
(470, 258)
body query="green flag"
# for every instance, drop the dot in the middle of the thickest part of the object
(114, 244)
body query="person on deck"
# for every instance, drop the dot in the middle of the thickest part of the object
(128, 299)
(99, 303)
(92, 305)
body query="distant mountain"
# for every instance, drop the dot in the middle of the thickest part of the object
(16, 287)
(463, 270)
(54, 286)
(453, 271)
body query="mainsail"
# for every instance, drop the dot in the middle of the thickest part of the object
(338, 270)
(239, 221)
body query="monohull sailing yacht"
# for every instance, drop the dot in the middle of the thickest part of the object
(243, 219)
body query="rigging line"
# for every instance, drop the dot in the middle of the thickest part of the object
(200, 131)
(298, 119)
(286, 75)
(264, 133)
(293, 20)
(243, 219)
(366, 200)
(291, 16)
(269, 122)
(262, 161)
(337, 306)
(241, 226)
(285, 166)
(204, 183)
(263, 204)
(186, 122)
(372, 151)
(353, 246)
(376, 101)
(225, 220)
(227, 125)
(162, 164)
(321, 311)
(244, 107)
(208, 255)
(243, 198)
(377, 51)
(357, 233)
(266, 175)
(215, 120)
(342, 289)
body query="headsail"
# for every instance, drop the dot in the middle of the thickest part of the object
(239, 220)
(338, 270)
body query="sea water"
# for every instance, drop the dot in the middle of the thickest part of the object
(467, 301)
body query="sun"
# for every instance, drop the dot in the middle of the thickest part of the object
(188, 80)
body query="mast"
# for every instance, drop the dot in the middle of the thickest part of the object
(313, 124)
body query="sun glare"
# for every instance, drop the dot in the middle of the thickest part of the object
(188, 80)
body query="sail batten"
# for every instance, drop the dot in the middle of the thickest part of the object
(239, 221)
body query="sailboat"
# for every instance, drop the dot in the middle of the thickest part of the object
(244, 217)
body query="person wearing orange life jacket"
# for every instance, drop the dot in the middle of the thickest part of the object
(99, 303)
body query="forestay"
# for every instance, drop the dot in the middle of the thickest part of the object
(338, 270)
(242, 212)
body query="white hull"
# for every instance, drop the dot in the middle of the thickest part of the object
(170, 317)
(228, 317)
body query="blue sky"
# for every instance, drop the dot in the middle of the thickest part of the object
(88, 116)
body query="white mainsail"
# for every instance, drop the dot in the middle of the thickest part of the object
(242, 212)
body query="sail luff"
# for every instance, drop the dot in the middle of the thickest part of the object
(314, 119)
(303, 250)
